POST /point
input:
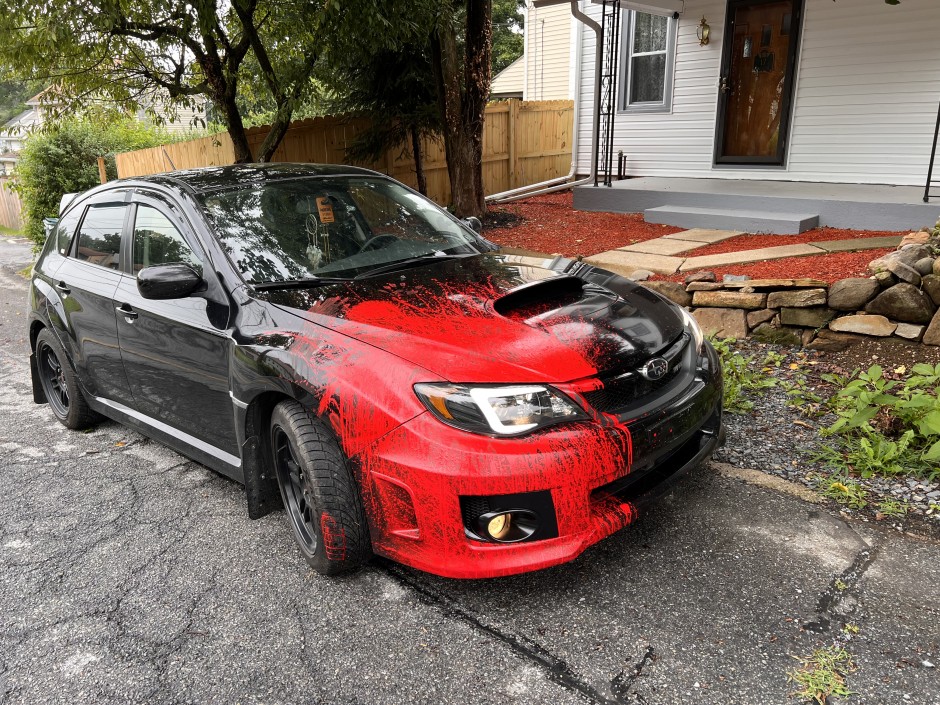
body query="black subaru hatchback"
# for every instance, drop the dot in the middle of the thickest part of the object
(349, 351)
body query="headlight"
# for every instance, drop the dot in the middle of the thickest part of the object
(502, 411)
(695, 329)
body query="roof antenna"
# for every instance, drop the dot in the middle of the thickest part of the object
(167, 155)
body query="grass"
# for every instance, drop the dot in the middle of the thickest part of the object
(823, 675)
(4, 230)
(743, 375)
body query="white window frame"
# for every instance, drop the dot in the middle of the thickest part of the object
(664, 106)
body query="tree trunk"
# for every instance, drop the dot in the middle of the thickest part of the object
(419, 161)
(279, 127)
(462, 93)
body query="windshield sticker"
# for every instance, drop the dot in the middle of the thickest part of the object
(325, 209)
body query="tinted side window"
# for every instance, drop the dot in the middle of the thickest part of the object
(63, 232)
(157, 241)
(99, 237)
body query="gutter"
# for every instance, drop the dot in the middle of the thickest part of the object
(564, 182)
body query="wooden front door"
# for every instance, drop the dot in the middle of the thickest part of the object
(756, 85)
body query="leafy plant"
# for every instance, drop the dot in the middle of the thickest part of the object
(742, 375)
(892, 508)
(888, 426)
(823, 675)
(847, 492)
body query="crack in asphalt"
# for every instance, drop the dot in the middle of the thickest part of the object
(557, 669)
(841, 599)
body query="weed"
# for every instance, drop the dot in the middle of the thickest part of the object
(850, 628)
(742, 376)
(840, 585)
(823, 675)
(892, 508)
(888, 426)
(847, 492)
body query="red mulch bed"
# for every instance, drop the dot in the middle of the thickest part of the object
(752, 242)
(829, 267)
(551, 225)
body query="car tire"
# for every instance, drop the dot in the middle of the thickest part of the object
(60, 384)
(320, 496)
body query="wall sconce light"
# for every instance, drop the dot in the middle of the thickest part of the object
(702, 32)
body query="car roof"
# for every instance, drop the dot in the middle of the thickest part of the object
(215, 178)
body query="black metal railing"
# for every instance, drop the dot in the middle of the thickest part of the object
(610, 31)
(931, 182)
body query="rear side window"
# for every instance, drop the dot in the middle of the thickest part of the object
(63, 232)
(99, 237)
(157, 241)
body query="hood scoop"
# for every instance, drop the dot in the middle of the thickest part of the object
(538, 298)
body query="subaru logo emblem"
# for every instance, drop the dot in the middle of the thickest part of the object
(655, 369)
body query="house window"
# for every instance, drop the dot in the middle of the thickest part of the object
(649, 48)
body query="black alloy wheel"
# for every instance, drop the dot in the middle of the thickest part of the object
(52, 377)
(60, 385)
(295, 491)
(320, 495)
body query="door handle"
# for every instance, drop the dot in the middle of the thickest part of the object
(723, 84)
(63, 287)
(126, 311)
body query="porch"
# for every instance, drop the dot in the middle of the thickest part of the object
(782, 207)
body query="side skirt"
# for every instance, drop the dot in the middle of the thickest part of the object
(180, 441)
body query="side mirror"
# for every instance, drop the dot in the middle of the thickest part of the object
(474, 224)
(168, 281)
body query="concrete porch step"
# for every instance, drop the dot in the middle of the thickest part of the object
(750, 221)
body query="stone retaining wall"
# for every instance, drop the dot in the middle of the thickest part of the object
(901, 298)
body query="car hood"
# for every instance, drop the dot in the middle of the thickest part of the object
(497, 318)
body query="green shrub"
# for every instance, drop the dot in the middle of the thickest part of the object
(64, 159)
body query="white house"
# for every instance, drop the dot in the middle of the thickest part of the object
(840, 92)
(546, 69)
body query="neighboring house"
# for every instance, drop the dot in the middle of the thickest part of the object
(842, 92)
(546, 69)
(509, 82)
(13, 133)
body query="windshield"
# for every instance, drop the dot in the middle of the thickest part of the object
(337, 227)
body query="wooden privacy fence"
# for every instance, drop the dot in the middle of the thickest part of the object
(523, 143)
(10, 210)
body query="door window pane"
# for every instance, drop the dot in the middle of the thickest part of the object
(157, 241)
(99, 238)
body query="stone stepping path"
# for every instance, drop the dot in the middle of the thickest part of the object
(661, 256)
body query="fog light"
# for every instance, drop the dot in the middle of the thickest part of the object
(498, 526)
(507, 526)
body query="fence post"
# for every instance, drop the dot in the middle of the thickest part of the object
(102, 170)
(513, 113)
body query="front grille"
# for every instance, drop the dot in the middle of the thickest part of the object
(631, 389)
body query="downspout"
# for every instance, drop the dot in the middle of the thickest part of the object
(563, 182)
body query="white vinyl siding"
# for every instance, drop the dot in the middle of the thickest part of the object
(548, 52)
(510, 80)
(864, 110)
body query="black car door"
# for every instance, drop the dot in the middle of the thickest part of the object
(85, 283)
(175, 352)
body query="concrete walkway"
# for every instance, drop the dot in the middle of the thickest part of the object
(670, 254)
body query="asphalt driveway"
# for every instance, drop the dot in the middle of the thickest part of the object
(129, 574)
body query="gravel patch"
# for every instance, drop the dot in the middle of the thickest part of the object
(778, 438)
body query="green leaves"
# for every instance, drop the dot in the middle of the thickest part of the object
(888, 427)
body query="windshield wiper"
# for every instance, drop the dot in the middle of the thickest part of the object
(405, 263)
(305, 283)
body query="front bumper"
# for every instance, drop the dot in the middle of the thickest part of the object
(600, 475)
